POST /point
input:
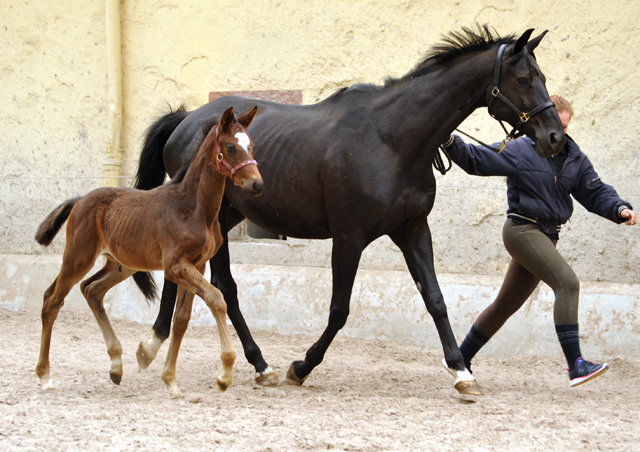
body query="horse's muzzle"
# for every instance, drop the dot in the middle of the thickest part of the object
(254, 186)
(551, 144)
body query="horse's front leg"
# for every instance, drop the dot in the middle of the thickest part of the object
(190, 278)
(181, 322)
(222, 278)
(345, 257)
(414, 240)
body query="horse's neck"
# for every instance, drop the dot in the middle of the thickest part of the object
(433, 105)
(203, 187)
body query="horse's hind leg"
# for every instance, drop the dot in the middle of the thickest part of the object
(180, 324)
(345, 257)
(148, 350)
(71, 272)
(94, 289)
(187, 276)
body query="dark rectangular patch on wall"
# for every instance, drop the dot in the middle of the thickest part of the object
(284, 96)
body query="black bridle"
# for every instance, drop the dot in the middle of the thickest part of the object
(523, 116)
(495, 94)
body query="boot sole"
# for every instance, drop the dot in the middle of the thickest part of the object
(591, 376)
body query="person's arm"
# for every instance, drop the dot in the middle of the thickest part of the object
(630, 216)
(600, 198)
(482, 161)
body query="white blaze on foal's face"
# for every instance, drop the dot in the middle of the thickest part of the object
(243, 140)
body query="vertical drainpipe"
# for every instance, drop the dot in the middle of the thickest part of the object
(114, 155)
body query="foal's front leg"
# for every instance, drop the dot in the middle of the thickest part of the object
(187, 276)
(180, 323)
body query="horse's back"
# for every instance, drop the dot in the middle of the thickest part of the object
(183, 144)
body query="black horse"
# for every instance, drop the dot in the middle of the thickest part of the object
(357, 166)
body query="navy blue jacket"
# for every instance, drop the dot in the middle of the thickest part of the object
(535, 190)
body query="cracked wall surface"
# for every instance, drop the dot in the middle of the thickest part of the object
(56, 118)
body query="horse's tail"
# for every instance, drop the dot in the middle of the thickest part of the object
(151, 173)
(151, 170)
(147, 285)
(51, 225)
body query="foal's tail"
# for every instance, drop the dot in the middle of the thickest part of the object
(151, 173)
(54, 221)
(151, 170)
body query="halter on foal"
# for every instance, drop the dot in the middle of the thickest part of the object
(173, 228)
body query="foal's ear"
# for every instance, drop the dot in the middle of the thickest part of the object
(522, 41)
(535, 41)
(227, 118)
(247, 118)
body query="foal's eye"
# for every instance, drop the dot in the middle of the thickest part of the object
(231, 149)
(522, 81)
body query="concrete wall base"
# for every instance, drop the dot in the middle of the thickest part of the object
(385, 305)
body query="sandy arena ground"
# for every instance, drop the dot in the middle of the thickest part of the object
(366, 396)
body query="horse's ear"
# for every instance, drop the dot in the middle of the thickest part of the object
(522, 41)
(227, 118)
(247, 118)
(535, 41)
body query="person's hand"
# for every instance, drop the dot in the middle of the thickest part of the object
(630, 215)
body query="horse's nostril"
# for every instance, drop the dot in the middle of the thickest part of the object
(553, 138)
(258, 185)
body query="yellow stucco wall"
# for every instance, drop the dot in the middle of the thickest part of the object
(56, 120)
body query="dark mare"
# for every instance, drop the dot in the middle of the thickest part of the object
(357, 166)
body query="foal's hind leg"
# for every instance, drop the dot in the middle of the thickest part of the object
(72, 271)
(94, 289)
(187, 276)
(180, 323)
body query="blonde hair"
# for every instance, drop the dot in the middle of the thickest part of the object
(562, 104)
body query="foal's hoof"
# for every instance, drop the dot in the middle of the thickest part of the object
(292, 377)
(222, 385)
(116, 378)
(468, 387)
(144, 359)
(267, 378)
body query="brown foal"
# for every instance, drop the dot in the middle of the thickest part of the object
(173, 228)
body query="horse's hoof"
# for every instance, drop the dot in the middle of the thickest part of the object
(267, 378)
(172, 387)
(116, 378)
(292, 377)
(144, 360)
(221, 385)
(468, 387)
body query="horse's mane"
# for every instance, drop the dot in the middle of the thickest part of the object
(454, 45)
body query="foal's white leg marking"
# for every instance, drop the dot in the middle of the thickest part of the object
(45, 381)
(243, 140)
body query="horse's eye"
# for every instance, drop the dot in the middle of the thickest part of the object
(522, 81)
(231, 149)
